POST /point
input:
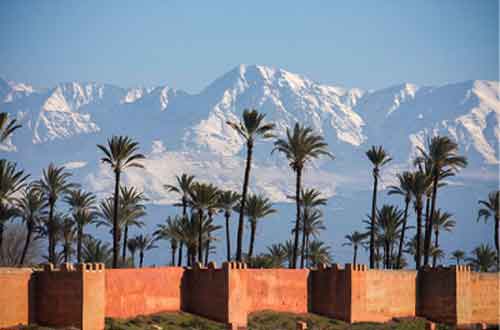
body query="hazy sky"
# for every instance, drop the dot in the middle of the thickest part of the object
(187, 44)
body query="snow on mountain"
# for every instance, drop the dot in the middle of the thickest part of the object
(182, 132)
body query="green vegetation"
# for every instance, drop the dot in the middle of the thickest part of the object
(164, 321)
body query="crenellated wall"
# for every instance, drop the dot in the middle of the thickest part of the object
(16, 297)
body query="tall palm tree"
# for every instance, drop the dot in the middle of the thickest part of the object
(12, 181)
(388, 225)
(318, 253)
(6, 127)
(256, 208)
(311, 220)
(250, 128)
(458, 255)
(378, 157)
(483, 258)
(442, 221)
(120, 153)
(132, 203)
(228, 200)
(202, 197)
(404, 189)
(184, 183)
(169, 231)
(419, 184)
(355, 239)
(144, 243)
(491, 208)
(83, 208)
(300, 146)
(443, 155)
(54, 184)
(30, 210)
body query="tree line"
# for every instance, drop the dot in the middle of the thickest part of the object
(192, 232)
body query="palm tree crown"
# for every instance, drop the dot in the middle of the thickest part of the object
(6, 126)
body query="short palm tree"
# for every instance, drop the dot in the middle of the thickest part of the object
(483, 258)
(442, 221)
(256, 208)
(355, 239)
(378, 157)
(419, 184)
(250, 128)
(6, 127)
(300, 146)
(120, 153)
(437, 255)
(53, 185)
(318, 253)
(12, 181)
(30, 210)
(403, 189)
(67, 233)
(82, 205)
(228, 200)
(132, 248)
(131, 201)
(311, 226)
(458, 256)
(184, 183)
(96, 251)
(491, 208)
(388, 225)
(169, 231)
(144, 243)
(202, 197)
(277, 255)
(443, 155)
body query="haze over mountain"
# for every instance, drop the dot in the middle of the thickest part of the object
(181, 132)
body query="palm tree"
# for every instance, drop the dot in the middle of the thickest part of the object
(250, 128)
(6, 126)
(132, 248)
(378, 157)
(144, 243)
(437, 255)
(96, 251)
(300, 146)
(208, 228)
(12, 181)
(441, 221)
(288, 248)
(120, 153)
(277, 254)
(443, 155)
(184, 183)
(169, 231)
(228, 200)
(318, 253)
(491, 208)
(83, 209)
(256, 208)
(483, 258)
(53, 185)
(388, 225)
(419, 184)
(403, 189)
(458, 255)
(30, 209)
(67, 233)
(355, 239)
(311, 218)
(203, 197)
(131, 202)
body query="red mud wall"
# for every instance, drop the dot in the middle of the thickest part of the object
(205, 292)
(437, 295)
(282, 290)
(132, 292)
(485, 298)
(16, 294)
(379, 295)
(329, 292)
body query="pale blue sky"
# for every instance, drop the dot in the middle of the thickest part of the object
(187, 44)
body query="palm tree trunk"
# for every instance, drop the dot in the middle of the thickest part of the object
(428, 228)
(179, 261)
(497, 240)
(302, 252)
(246, 180)
(141, 259)
(1, 237)
(252, 239)
(52, 248)
(228, 236)
(79, 244)
(298, 183)
(172, 247)
(124, 248)
(116, 242)
(207, 249)
(355, 255)
(307, 250)
(419, 236)
(436, 245)
(402, 238)
(26, 244)
(372, 219)
(200, 236)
